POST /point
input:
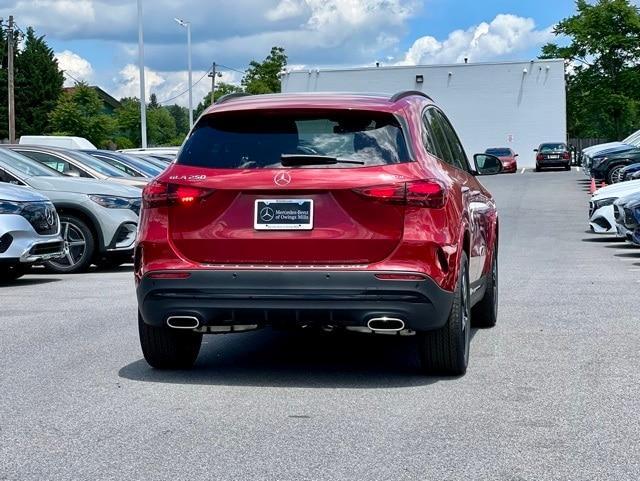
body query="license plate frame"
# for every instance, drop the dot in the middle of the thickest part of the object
(281, 216)
(553, 157)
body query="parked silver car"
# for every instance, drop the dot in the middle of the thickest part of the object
(98, 218)
(76, 164)
(29, 231)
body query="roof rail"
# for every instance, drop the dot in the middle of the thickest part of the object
(231, 96)
(408, 93)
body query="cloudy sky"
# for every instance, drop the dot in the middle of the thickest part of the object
(96, 40)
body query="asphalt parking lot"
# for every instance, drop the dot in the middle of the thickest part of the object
(551, 392)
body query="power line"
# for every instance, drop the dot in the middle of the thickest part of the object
(231, 68)
(186, 91)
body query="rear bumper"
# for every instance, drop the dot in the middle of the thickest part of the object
(290, 298)
(553, 163)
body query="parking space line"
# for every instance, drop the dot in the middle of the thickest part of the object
(522, 171)
(577, 169)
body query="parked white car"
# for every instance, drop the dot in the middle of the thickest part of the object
(29, 230)
(64, 141)
(601, 214)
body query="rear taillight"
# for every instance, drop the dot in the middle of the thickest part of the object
(161, 194)
(566, 156)
(539, 157)
(423, 193)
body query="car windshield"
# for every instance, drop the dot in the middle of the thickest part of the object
(633, 138)
(553, 148)
(95, 164)
(130, 161)
(26, 166)
(499, 152)
(258, 139)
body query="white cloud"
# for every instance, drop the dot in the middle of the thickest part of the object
(285, 10)
(505, 34)
(75, 67)
(166, 85)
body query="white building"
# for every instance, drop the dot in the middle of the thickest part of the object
(508, 104)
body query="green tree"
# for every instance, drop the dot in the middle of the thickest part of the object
(38, 85)
(602, 56)
(181, 117)
(127, 118)
(79, 112)
(153, 102)
(161, 127)
(264, 77)
(222, 89)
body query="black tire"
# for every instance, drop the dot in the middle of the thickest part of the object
(538, 169)
(613, 174)
(485, 312)
(567, 167)
(165, 348)
(76, 260)
(446, 350)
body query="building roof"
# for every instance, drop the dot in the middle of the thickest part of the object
(106, 98)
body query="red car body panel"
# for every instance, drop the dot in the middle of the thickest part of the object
(351, 232)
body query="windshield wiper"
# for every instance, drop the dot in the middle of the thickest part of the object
(293, 160)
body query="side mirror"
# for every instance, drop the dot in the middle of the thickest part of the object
(487, 164)
(516, 155)
(535, 150)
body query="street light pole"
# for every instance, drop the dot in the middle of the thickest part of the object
(11, 86)
(143, 97)
(187, 25)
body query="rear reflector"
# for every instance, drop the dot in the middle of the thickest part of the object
(401, 277)
(169, 275)
(161, 194)
(423, 193)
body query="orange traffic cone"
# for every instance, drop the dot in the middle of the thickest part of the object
(592, 188)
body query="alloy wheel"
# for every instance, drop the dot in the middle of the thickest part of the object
(75, 245)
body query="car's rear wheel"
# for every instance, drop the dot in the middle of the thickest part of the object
(79, 247)
(446, 350)
(538, 168)
(165, 348)
(485, 312)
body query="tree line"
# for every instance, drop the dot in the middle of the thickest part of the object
(43, 106)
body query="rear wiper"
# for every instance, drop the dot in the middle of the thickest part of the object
(293, 160)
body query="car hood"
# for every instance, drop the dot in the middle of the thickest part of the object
(83, 186)
(613, 150)
(617, 190)
(138, 182)
(629, 199)
(597, 148)
(20, 194)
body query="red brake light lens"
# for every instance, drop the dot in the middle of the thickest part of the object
(539, 157)
(566, 156)
(161, 194)
(423, 193)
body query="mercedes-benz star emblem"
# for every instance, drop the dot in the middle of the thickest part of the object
(282, 179)
(267, 214)
(49, 216)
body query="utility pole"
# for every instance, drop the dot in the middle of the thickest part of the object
(213, 83)
(12, 105)
(143, 97)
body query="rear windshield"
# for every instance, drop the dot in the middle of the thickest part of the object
(553, 147)
(499, 152)
(257, 139)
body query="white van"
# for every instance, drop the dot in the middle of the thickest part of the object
(66, 142)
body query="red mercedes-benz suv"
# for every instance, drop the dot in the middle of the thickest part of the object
(338, 211)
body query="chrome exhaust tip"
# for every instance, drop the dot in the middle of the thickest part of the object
(385, 324)
(183, 322)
